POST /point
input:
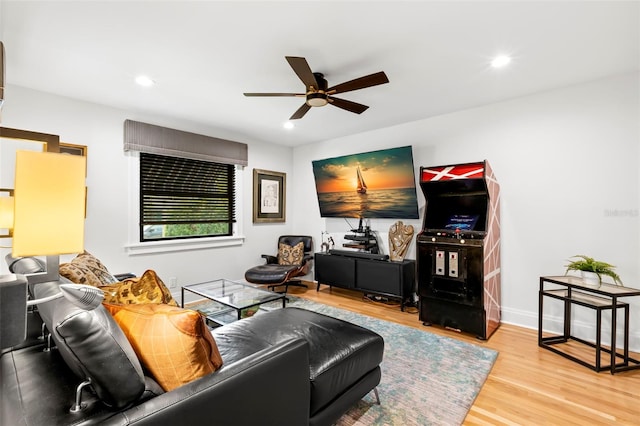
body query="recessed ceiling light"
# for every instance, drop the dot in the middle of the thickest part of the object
(288, 125)
(500, 61)
(145, 81)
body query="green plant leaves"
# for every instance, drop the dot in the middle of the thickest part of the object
(586, 263)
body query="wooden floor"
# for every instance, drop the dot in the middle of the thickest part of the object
(528, 385)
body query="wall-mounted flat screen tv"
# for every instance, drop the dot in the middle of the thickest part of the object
(376, 184)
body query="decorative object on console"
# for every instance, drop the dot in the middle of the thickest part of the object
(389, 175)
(317, 92)
(328, 243)
(269, 196)
(592, 270)
(400, 236)
(459, 248)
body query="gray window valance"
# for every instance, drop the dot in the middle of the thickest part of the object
(143, 137)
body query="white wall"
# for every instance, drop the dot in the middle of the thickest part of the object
(566, 160)
(101, 129)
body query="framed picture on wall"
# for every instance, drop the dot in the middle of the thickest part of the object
(68, 148)
(269, 189)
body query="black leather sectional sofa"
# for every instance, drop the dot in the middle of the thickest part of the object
(285, 367)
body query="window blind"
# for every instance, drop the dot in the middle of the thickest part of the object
(185, 191)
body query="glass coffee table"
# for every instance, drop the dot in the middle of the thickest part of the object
(228, 301)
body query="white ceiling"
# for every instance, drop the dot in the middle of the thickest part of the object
(203, 55)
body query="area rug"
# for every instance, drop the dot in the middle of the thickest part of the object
(427, 379)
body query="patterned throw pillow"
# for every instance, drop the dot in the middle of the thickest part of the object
(147, 288)
(288, 255)
(174, 344)
(87, 269)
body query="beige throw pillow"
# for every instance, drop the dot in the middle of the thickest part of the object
(87, 269)
(288, 255)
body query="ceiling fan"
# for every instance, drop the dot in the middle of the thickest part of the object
(317, 92)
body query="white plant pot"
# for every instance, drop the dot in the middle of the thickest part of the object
(590, 279)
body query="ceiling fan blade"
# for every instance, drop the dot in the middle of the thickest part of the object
(348, 105)
(300, 112)
(274, 94)
(360, 83)
(303, 70)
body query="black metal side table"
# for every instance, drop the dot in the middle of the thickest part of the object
(573, 291)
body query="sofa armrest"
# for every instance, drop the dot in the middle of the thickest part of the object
(270, 387)
(270, 259)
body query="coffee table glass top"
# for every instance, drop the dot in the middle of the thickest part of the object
(227, 301)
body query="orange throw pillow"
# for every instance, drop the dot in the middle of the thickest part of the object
(147, 288)
(174, 344)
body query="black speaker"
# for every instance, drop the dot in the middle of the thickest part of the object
(13, 310)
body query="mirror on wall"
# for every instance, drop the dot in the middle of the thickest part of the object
(8, 149)
(13, 140)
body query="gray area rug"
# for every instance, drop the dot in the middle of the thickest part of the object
(426, 379)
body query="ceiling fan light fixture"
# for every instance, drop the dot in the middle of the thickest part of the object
(317, 90)
(317, 99)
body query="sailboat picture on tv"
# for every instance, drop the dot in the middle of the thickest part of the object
(376, 184)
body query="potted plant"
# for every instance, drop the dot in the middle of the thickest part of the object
(592, 270)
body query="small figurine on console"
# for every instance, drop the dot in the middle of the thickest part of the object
(400, 236)
(327, 245)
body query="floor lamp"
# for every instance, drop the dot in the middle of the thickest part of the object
(48, 220)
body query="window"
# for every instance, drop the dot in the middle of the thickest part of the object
(185, 198)
(188, 186)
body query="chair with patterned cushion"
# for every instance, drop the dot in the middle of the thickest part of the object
(295, 253)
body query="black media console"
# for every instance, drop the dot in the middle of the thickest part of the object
(367, 274)
(359, 254)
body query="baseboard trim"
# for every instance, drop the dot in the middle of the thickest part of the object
(580, 328)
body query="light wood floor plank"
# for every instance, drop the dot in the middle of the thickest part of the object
(528, 385)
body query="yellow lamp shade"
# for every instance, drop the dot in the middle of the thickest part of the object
(6, 212)
(49, 204)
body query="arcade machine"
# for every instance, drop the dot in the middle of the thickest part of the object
(458, 259)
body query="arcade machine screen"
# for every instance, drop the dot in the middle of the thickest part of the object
(463, 222)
